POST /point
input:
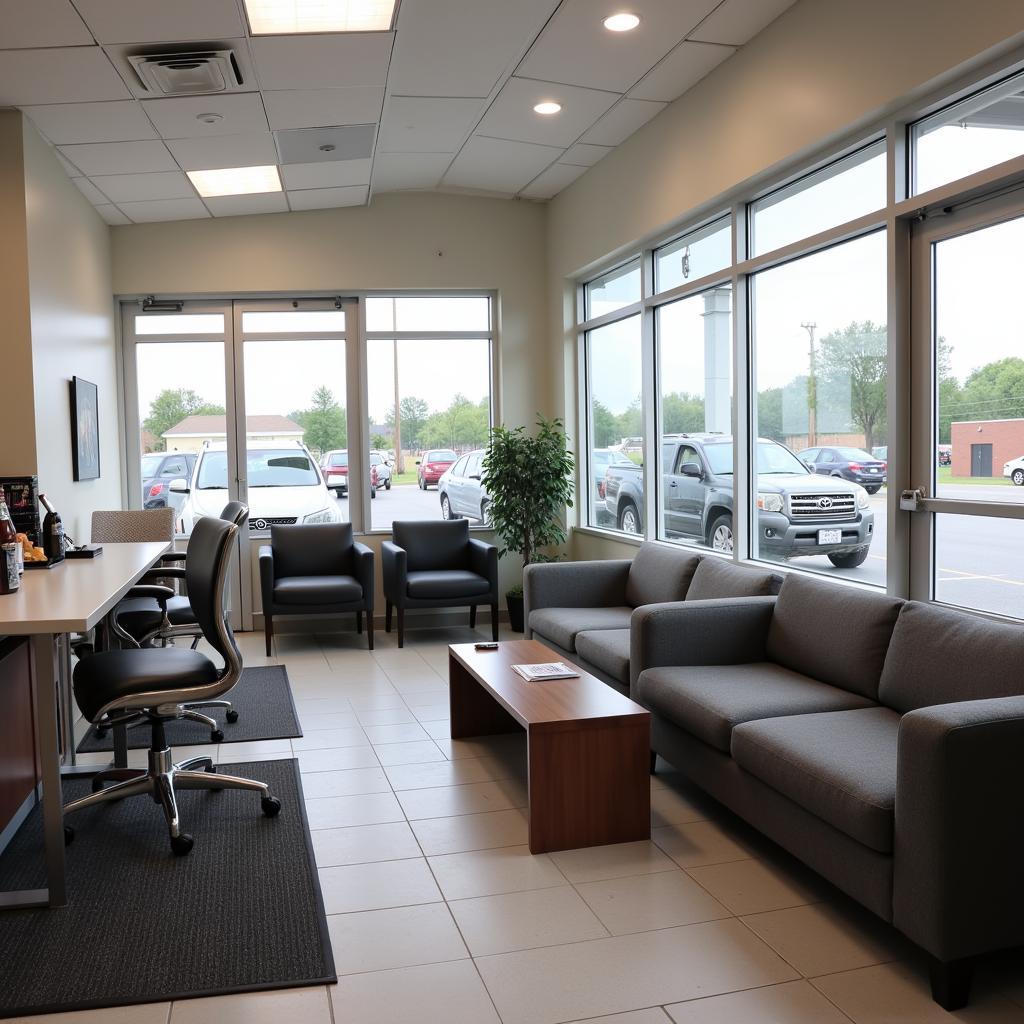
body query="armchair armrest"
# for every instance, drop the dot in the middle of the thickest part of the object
(267, 577)
(174, 556)
(959, 837)
(595, 584)
(167, 573)
(483, 560)
(363, 562)
(394, 567)
(162, 594)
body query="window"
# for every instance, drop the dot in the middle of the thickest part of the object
(980, 564)
(693, 256)
(290, 321)
(179, 323)
(612, 291)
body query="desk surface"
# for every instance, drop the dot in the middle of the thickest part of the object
(75, 595)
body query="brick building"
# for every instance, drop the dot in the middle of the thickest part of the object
(981, 447)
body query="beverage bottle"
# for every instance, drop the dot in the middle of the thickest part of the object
(53, 532)
(10, 580)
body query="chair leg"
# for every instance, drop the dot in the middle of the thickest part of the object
(268, 629)
(120, 737)
(359, 623)
(472, 616)
(951, 982)
(132, 787)
(494, 623)
(401, 626)
(195, 764)
(207, 780)
(369, 629)
(387, 616)
(165, 794)
(116, 775)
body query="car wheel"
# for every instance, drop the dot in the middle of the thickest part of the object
(850, 560)
(387, 484)
(1018, 477)
(485, 513)
(873, 490)
(629, 518)
(373, 492)
(446, 508)
(720, 537)
(422, 484)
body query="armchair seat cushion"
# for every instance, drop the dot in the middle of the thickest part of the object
(709, 701)
(561, 625)
(444, 583)
(839, 766)
(317, 590)
(607, 649)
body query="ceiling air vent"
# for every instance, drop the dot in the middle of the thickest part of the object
(188, 74)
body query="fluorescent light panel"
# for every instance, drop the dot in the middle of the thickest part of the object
(284, 17)
(236, 181)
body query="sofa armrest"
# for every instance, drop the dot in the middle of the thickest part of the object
(595, 584)
(959, 838)
(394, 563)
(723, 631)
(483, 560)
(362, 556)
(267, 578)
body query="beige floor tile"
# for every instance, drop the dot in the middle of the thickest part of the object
(691, 844)
(323, 706)
(465, 832)
(361, 844)
(389, 883)
(376, 699)
(795, 1002)
(324, 739)
(443, 773)
(824, 939)
(472, 798)
(428, 699)
(385, 716)
(617, 861)
(419, 683)
(363, 809)
(525, 920)
(439, 712)
(336, 759)
(754, 887)
(644, 902)
(654, 1015)
(438, 730)
(380, 940)
(671, 807)
(448, 993)
(228, 757)
(490, 872)
(310, 1005)
(410, 732)
(253, 749)
(349, 782)
(408, 753)
(319, 721)
(628, 972)
(513, 744)
(149, 1013)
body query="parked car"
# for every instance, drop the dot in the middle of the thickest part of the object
(334, 466)
(1014, 469)
(945, 455)
(433, 465)
(853, 464)
(158, 470)
(383, 470)
(799, 513)
(600, 460)
(462, 489)
(285, 486)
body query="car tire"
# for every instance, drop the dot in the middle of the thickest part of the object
(849, 560)
(373, 492)
(1017, 476)
(446, 508)
(873, 490)
(422, 484)
(485, 513)
(387, 484)
(629, 518)
(720, 536)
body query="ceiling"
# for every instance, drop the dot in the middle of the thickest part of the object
(444, 102)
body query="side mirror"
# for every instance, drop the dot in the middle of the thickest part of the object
(178, 486)
(809, 465)
(691, 469)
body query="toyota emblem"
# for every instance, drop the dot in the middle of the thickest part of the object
(825, 502)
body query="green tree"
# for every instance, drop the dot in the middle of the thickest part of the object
(379, 442)
(630, 422)
(992, 392)
(464, 424)
(682, 413)
(769, 414)
(324, 424)
(855, 360)
(413, 413)
(170, 407)
(605, 425)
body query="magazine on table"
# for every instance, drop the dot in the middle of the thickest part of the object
(548, 670)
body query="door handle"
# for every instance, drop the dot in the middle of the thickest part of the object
(673, 484)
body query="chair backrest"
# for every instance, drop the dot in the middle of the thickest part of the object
(210, 547)
(235, 512)
(312, 549)
(432, 545)
(134, 525)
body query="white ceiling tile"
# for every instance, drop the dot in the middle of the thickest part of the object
(575, 46)
(77, 74)
(621, 121)
(738, 21)
(323, 62)
(315, 145)
(165, 209)
(42, 23)
(224, 151)
(582, 155)
(315, 108)
(90, 191)
(511, 115)
(550, 182)
(683, 68)
(498, 165)
(422, 124)
(395, 171)
(120, 157)
(130, 188)
(112, 215)
(68, 123)
(237, 206)
(326, 174)
(145, 21)
(178, 117)
(327, 198)
(462, 47)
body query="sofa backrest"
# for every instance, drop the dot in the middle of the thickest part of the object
(715, 578)
(835, 634)
(659, 574)
(942, 656)
(433, 545)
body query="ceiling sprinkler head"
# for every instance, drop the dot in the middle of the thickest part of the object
(327, 147)
(209, 118)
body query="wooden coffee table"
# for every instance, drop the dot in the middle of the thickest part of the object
(587, 745)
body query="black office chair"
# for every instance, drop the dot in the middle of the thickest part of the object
(159, 683)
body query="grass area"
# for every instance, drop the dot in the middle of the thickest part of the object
(945, 476)
(408, 477)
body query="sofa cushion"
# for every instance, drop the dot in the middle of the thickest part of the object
(834, 633)
(715, 577)
(607, 649)
(710, 700)
(941, 656)
(658, 574)
(317, 590)
(839, 766)
(441, 583)
(562, 624)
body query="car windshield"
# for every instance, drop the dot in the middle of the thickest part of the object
(338, 459)
(264, 468)
(150, 464)
(772, 459)
(376, 460)
(441, 456)
(854, 454)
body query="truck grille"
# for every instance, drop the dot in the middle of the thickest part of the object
(823, 508)
(264, 524)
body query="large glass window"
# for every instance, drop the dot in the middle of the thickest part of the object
(612, 291)
(693, 256)
(979, 562)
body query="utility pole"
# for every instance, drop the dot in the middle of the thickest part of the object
(812, 390)
(399, 461)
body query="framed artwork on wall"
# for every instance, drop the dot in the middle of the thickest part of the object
(85, 430)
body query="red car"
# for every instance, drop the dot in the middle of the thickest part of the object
(334, 466)
(433, 464)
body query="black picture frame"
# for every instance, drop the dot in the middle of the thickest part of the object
(85, 429)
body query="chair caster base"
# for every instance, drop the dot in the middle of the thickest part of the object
(232, 716)
(271, 806)
(217, 736)
(69, 835)
(181, 845)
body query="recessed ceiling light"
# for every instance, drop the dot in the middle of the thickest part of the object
(280, 17)
(236, 181)
(618, 22)
(548, 108)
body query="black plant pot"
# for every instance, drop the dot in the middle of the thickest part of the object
(515, 612)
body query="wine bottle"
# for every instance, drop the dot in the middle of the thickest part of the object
(53, 532)
(10, 581)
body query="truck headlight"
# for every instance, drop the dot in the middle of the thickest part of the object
(325, 515)
(863, 498)
(769, 501)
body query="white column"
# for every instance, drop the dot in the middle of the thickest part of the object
(717, 353)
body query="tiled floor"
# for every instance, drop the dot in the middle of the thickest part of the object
(439, 914)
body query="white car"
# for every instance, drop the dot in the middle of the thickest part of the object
(285, 487)
(383, 470)
(1014, 469)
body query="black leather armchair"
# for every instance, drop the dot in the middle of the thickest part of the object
(438, 565)
(316, 569)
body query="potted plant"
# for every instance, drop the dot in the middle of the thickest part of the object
(529, 483)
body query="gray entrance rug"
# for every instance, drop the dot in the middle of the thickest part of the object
(242, 912)
(262, 698)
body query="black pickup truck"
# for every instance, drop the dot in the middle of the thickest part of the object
(799, 513)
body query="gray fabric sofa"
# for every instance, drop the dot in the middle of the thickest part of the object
(880, 741)
(582, 610)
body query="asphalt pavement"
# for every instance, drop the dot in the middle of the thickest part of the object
(403, 501)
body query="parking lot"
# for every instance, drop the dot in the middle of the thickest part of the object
(403, 501)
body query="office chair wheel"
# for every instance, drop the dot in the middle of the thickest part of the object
(69, 835)
(217, 736)
(271, 806)
(97, 784)
(101, 731)
(232, 715)
(182, 844)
